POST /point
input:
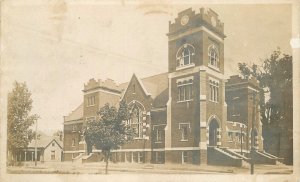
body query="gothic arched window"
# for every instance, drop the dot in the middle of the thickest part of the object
(136, 121)
(184, 55)
(214, 91)
(213, 56)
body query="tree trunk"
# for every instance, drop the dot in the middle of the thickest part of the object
(106, 166)
(106, 153)
(10, 157)
(279, 143)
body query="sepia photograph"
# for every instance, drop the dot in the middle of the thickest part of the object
(94, 89)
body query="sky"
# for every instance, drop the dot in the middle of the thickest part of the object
(56, 47)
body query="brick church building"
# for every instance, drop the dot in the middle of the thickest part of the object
(190, 114)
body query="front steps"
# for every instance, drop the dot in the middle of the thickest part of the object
(220, 157)
(77, 159)
(261, 157)
(228, 157)
(93, 157)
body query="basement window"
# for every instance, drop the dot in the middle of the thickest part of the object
(184, 155)
(230, 136)
(140, 157)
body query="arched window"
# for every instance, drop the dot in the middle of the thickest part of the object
(185, 89)
(213, 56)
(184, 55)
(214, 90)
(136, 121)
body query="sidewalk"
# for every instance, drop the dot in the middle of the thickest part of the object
(163, 168)
(99, 168)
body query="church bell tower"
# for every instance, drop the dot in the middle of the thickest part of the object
(196, 85)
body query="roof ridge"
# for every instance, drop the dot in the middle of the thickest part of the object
(154, 75)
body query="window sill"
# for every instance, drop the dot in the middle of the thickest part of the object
(138, 138)
(181, 101)
(73, 131)
(214, 67)
(91, 105)
(157, 142)
(185, 66)
(230, 141)
(216, 102)
(184, 140)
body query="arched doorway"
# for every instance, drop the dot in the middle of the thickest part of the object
(213, 132)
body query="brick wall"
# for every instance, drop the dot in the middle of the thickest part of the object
(135, 95)
(69, 135)
(185, 112)
(239, 99)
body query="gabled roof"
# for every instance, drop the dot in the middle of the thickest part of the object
(155, 86)
(162, 99)
(77, 114)
(141, 84)
(45, 141)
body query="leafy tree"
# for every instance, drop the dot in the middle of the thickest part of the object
(58, 133)
(19, 119)
(275, 78)
(110, 131)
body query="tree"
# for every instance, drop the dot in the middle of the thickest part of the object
(19, 120)
(58, 133)
(275, 78)
(110, 131)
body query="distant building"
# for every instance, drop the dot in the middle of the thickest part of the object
(49, 149)
(190, 114)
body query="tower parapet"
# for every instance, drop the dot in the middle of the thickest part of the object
(237, 80)
(188, 19)
(107, 84)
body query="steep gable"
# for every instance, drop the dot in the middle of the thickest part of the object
(155, 86)
(135, 87)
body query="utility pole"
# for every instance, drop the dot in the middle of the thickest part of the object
(35, 149)
(241, 139)
(252, 133)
